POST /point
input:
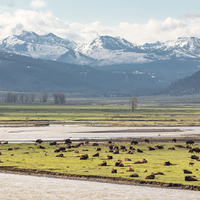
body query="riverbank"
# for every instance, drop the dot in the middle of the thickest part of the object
(102, 179)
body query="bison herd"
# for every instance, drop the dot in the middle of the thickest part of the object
(113, 149)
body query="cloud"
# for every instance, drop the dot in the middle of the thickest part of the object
(191, 16)
(38, 4)
(45, 22)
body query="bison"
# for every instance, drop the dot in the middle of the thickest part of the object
(139, 151)
(130, 169)
(167, 163)
(113, 171)
(39, 141)
(109, 157)
(174, 140)
(68, 141)
(84, 157)
(134, 175)
(152, 176)
(53, 143)
(103, 164)
(190, 178)
(96, 155)
(134, 142)
(185, 171)
(190, 142)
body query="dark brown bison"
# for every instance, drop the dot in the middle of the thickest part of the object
(194, 157)
(53, 143)
(95, 144)
(110, 150)
(59, 155)
(197, 150)
(151, 149)
(103, 164)
(56, 150)
(130, 152)
(191, 164)
(179, 146)
(39, 141)
(171, 148)
(116, 152)
(138, 162)
(119, 164)
(84, 157)
(84, 149)
(130, 169)
(109, 142)
(62, 148)
(159, 146)
(96, 155)
(152, 176)
(146, 140)
(188, 147)
(127, 159)
(144, 161)
(139, 151)
(87, 142)
(185, 171)
(68, 141)
(190, 142)
(76, 151)
(98, 149)
(113, 171)
(174, 140)
(190, 178)
(109, 157)
(134, 142)
(158, 173)
(10, 149)
(134, 175)
(122, 147)
(41, 147)
(167, 163)
(6, 142)
(132, 148)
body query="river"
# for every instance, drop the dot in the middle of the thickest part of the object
(22, 187)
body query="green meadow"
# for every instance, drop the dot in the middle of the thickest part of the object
(46, 160)
(111, 115)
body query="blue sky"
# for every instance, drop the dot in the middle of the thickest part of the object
(138, 21)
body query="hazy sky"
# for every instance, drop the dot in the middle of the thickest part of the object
(138, 21)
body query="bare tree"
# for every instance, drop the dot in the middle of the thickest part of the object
(133, 101)
(21, 98)
(59, 98)
(9, 97)
(44, 97)
(26, 98)
(32, 97)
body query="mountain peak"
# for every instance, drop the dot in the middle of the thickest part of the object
(112, 43)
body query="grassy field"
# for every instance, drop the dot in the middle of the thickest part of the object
(111, 115)
(46, 160)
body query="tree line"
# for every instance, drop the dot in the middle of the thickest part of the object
(59, 98)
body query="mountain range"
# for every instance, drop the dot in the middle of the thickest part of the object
(103, 51)
(112, 62)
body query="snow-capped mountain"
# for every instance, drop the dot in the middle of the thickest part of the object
(103, 51)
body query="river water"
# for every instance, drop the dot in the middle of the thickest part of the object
(60, 132)
(22, 187)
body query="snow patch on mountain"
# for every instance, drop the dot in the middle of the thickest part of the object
(104, 50)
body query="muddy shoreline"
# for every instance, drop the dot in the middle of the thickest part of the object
(113, 180)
